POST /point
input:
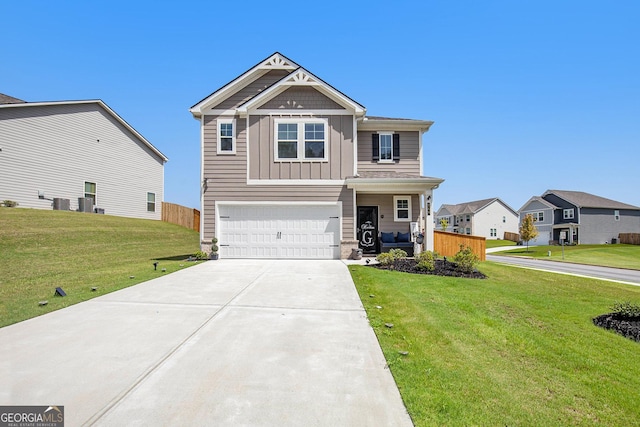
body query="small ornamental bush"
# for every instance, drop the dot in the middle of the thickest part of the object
(200, 255)
(466, 259)
(398, 254)
(9, 203)
(626, 310)
(426, 260)
(385, 258)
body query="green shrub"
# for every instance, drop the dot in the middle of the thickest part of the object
(466, 259)
(398, 254)
(626, 309)
(200, 255)
(426, 260)
(9, 203)
(385, 258)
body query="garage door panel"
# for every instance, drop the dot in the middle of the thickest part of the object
(268, 231)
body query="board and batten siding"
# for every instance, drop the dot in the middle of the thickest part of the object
(262, 151)
(409, 162)
(56, 148)
(226, 177)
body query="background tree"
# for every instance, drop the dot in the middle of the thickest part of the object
(528, 231)
(444, 223)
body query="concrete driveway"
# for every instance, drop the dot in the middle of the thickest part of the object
(224, 343)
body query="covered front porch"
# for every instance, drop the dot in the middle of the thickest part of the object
(393, 210)
(566, 232)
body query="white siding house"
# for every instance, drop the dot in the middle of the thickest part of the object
(488, 218)
(78, 149)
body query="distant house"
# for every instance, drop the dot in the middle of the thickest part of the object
(578, 217)
(294, 168)
(77, 155)
(489, 218)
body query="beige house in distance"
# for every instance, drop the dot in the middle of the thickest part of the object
(294, 168)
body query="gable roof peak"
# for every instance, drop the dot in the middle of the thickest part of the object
(278, 61)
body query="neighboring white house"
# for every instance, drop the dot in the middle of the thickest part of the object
(489, 218)
(77, 154)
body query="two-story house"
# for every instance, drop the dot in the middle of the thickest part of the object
(578, 217)
(488, 218)
(293, 168)
(77, 155)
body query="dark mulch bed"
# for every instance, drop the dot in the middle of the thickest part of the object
(442, 268)
(625, 326)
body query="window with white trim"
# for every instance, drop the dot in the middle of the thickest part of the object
(151, 202)
(493, 232)
(538, 216)
(567, 213)
(300, 140)
(226, 136)
(386, 147)
(402, 208)
(90, 191)
(468, 231)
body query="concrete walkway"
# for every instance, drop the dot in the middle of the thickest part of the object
(225, 343)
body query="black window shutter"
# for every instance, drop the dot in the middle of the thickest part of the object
(396, 147)
(375, 146)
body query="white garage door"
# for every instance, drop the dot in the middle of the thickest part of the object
(279, 231)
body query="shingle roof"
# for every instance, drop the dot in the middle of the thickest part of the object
(586, 200)
(469, 207)
(6, 99)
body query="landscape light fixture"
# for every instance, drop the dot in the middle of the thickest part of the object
(155, 265)
(60, 292)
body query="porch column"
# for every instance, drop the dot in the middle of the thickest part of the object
(428, 219)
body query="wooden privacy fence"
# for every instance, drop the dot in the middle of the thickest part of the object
(630, 238)
(514, 237)
(181, 215)
(448, 244)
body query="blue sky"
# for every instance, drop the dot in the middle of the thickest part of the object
(526, 95)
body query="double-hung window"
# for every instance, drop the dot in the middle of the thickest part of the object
(567, 213)
(151, 202)
(386, 147)
(301, 140)
(90, 191)
(226, 136)
(402, 208)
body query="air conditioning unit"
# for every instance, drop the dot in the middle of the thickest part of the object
(85, 204)
(61, 204)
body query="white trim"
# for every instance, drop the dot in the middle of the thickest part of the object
(305, 78)
(380, 159)
(202, 185)
(301, 113)
(355, 147)
(234, 132)
(247, 150)
(231, 112)
(420, 134)
(395, 209)
(301, 122)
(301, 182)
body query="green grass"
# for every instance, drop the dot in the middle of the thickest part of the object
(621, 256)
(41, 250)
(516, 349)
(498, 243)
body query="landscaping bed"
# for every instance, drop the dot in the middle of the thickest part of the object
(625, 326)
(441, 268)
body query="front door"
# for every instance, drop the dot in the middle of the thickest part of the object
(368, 229)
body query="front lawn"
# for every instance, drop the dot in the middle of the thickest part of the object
(498, 243)
(518, 348)
(621, 256)
(41, 250)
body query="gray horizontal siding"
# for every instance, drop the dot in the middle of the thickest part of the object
(409, 154)
(384, 202)
(301, 97)
(57, 148)
(251, 90)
